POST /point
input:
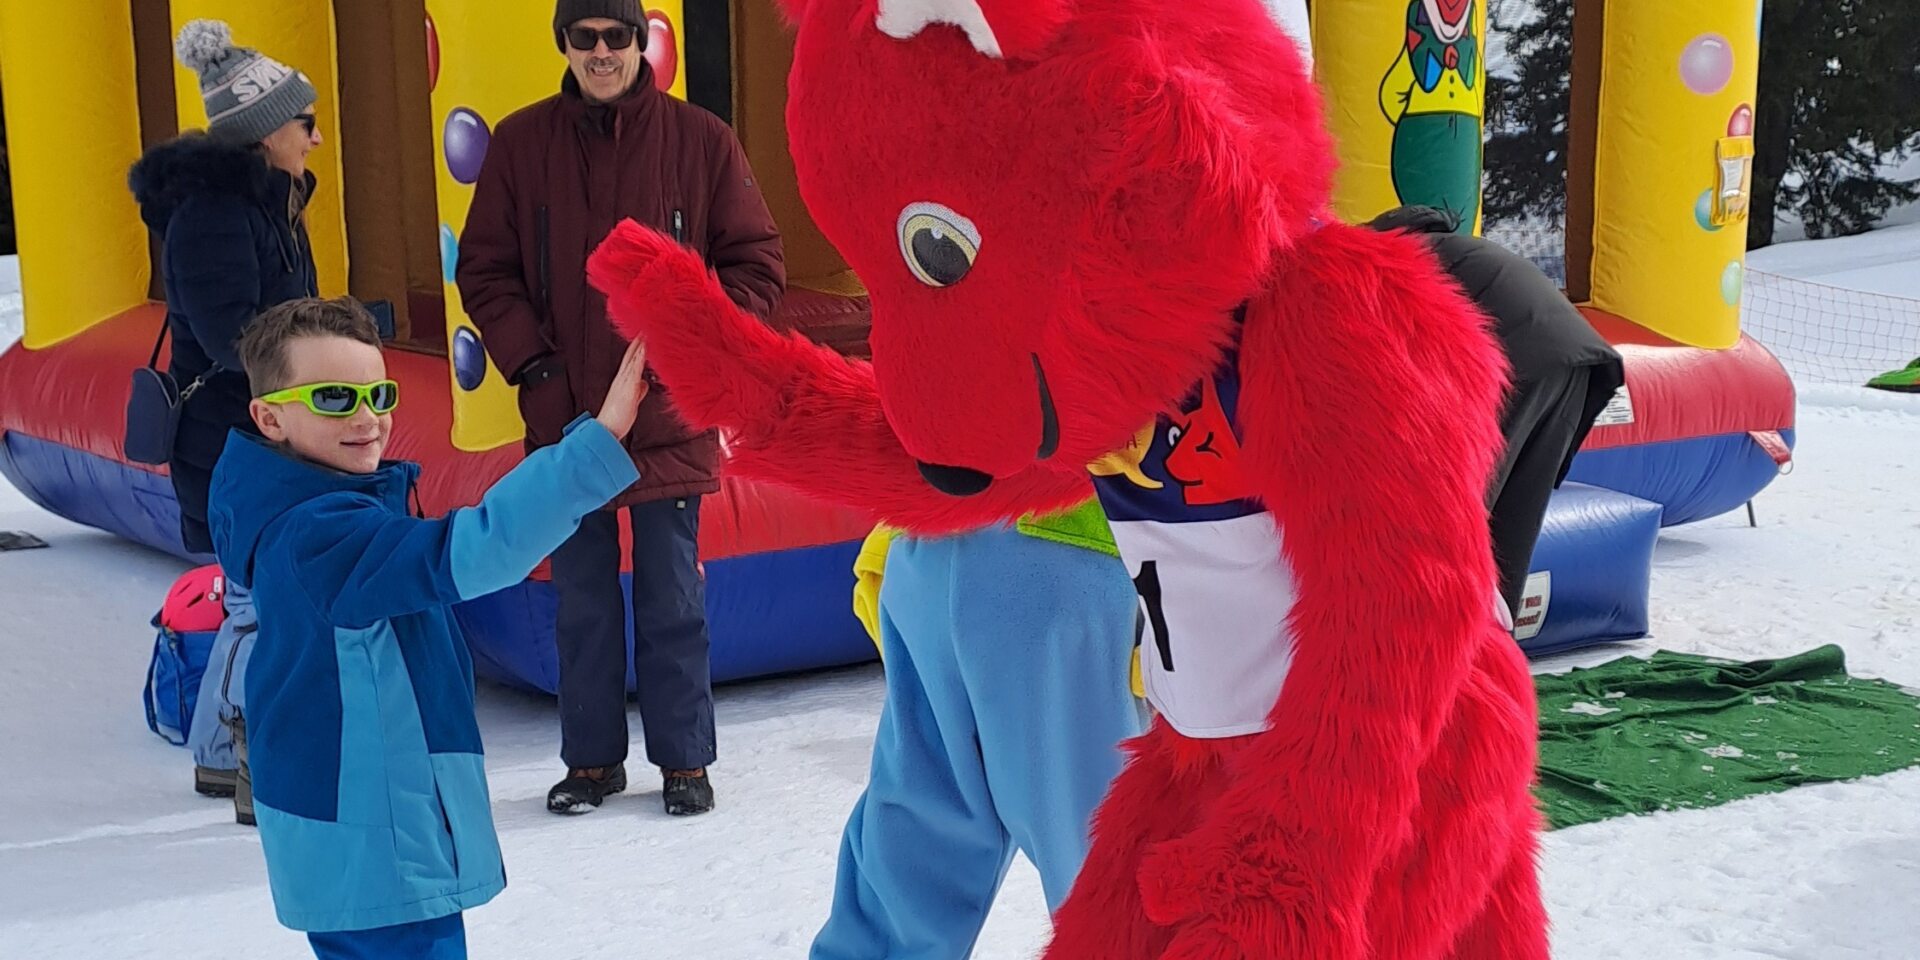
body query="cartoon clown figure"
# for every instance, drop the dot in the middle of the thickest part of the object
(1435, 96)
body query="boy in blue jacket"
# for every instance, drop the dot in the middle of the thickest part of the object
(368, 781)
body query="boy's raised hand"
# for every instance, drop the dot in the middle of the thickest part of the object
(629, 388)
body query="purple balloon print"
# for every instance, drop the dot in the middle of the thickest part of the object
(466, 140)
(469, 359)
(1707, 64)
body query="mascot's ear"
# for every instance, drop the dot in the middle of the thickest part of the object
(1001, 29)
(1211, 173)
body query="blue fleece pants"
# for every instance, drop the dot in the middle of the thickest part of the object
(442, 939)
(1006, 661)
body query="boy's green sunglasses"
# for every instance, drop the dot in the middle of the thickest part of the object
(341, 399)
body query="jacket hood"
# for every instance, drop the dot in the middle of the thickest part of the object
(256, 483)
(195, 164)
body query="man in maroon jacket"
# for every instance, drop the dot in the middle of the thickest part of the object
(558, 175)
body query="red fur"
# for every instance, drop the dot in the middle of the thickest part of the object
(1159, 165)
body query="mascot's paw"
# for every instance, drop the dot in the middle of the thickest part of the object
(1237, 896)
(650, 280)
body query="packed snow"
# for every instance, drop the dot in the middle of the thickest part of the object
(106, 852)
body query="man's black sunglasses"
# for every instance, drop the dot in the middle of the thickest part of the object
(586, 38)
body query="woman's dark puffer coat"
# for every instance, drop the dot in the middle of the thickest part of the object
(234, 242)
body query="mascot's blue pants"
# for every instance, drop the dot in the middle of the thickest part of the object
(1007, 663)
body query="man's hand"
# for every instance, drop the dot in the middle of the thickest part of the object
(629, 388)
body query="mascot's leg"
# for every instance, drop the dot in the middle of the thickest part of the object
(1045, 631)
(1475, 828)
(1159, 795)
(925, 851)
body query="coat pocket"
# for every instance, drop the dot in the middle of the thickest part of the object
(467, 811)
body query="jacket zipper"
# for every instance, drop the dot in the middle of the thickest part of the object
(679, 227)
(542, 237)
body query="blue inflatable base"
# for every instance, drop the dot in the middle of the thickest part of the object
(1692, 480)
(1592, 571)
(767, 614)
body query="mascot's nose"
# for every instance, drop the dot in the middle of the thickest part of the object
(955, 481)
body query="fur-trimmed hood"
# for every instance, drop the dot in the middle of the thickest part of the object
(193, 164)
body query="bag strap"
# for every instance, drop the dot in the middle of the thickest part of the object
(153, 362)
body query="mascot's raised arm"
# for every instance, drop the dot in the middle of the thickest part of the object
(1091, 226)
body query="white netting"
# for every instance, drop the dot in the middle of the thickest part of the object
(1829, 334)
(1823, 334)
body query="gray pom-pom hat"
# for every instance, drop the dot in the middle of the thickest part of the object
(248, 94)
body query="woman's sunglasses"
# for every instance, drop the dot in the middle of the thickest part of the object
(341, 399)
(307, 120)
(586, 38)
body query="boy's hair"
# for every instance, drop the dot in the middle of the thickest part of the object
(263, 347)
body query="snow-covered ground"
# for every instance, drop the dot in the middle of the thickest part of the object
(106, 853)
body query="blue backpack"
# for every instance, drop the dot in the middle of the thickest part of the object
(186, 627)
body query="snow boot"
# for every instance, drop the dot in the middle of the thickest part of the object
(687, 793)
(243, 778)
(583, 790)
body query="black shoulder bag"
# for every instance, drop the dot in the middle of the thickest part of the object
(153, 408)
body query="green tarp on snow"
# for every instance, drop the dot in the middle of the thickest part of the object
(1679, 731)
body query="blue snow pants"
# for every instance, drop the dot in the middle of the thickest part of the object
(441, 939)
(1007, 698)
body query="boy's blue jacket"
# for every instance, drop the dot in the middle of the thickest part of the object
(368, 781)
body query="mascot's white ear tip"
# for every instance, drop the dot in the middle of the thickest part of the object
(903, 19)
(201, 42)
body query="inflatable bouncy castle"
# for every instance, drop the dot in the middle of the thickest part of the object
(1658, 173)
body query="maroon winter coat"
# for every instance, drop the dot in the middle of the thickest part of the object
(558, 176)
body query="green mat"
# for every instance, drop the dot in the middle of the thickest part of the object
(1678, 731)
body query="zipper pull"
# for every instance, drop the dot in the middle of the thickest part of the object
(679, 227)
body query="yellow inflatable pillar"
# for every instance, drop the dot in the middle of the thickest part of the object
(73, 129)
(1405, 85)
(298, 33)
(1672, 165)
(486, 59)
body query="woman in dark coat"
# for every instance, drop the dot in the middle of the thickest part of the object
(226, 209)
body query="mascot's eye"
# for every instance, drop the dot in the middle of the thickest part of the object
(1173, 436)
(938, 244)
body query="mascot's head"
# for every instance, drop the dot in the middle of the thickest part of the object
(1055, 204)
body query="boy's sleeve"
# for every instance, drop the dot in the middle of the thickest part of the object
(361, 563)
(868, 568)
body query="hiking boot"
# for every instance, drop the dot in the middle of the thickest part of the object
(583, 790)
(243, 778)
(209, 782)
(687, 793)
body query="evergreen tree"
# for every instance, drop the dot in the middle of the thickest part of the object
(1526, 151)
(1839, 99)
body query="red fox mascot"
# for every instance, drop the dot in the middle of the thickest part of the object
(1092, 226)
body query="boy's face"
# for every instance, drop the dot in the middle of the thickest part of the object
(350, 444)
